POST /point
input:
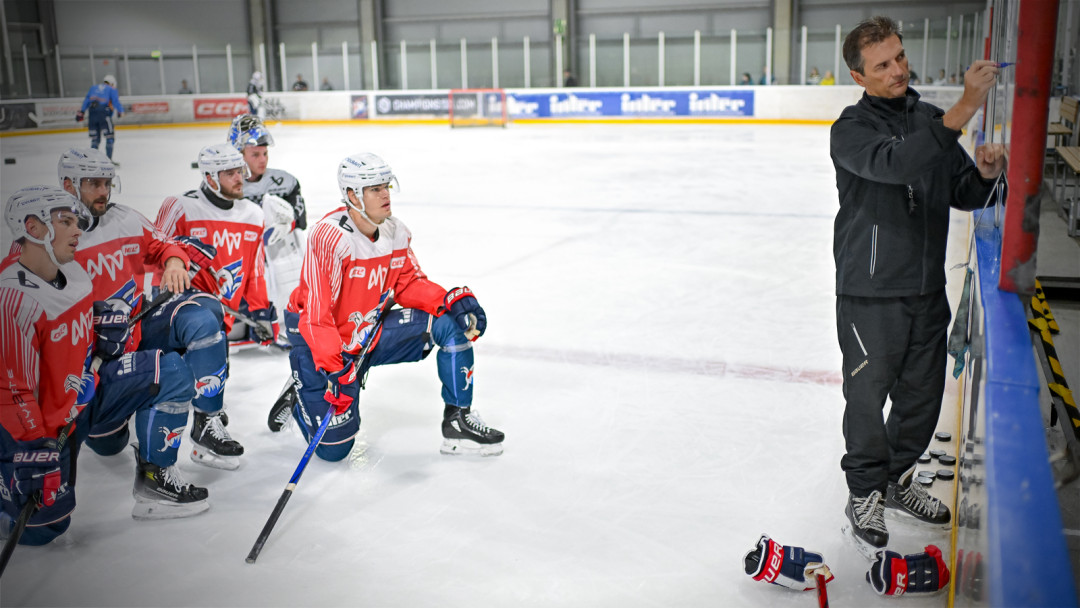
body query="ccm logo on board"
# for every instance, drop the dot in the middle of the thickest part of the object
(219, 108)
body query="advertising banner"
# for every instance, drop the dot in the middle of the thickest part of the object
(17, 116)
(597, 104)
(219, 108)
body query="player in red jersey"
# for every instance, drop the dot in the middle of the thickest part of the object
(356, 256)
(120, 250)
(217, 218)
(53, 336)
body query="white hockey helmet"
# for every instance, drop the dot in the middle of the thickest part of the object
(360, 170)
(79, 163)
(220, 157)
(40, 202)
(248, 130)
(110, 80)
(256, 77)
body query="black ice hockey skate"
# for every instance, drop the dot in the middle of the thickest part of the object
(464, 432)
(912, 500)
(866, 523)
(213, 446)
(161, 493)
(281, 411)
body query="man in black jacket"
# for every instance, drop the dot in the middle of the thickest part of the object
(899, 169)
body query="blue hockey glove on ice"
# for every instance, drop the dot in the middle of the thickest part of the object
(266, 325)
(461, 305)
(112, 329)
(34, 466)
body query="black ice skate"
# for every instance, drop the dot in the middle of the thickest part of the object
(465, 433)
(281, 411)
(911, 500)
(866, 523)
(163, 493)
(213, 446)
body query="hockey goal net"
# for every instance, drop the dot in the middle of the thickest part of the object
(478, 108)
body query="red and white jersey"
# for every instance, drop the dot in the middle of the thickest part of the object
(121, 251)
(46, 334)
(236, 233)
(343, 278)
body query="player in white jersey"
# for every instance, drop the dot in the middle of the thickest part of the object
(217, 215)
(63, 362)
(278, 193)
(120, 250)
(357, 255)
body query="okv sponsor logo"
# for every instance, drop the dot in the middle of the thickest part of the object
(574, 105)
(637, 104)
(710, 103)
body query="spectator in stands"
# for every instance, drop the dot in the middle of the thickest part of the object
(940, 80)
(300, 84)
(746, 79)
(568, 79)
(828, 79)
(814, 77)
(326, 86)
(184, 89)
(913, 78)
(765, 79)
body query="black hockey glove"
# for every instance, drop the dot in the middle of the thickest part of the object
(462, 306)
(112, 329)
(265, 329)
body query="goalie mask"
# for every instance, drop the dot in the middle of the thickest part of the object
(78, 164)
(217, 158)
(40, 202)
(248, 130)
(361, 170)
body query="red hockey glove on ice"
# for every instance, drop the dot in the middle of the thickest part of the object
(924, 572)
(791, 567)
(34, 466)
(341, 388)
(461, 305)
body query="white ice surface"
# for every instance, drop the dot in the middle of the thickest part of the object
(661, 354)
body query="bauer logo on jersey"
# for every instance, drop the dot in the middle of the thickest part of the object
(199, 233)
(229, 279)
(398, 262)
(251, 236)
(131, 249)
(357, 272)
(105, 263)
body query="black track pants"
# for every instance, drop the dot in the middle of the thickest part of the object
(896, 348)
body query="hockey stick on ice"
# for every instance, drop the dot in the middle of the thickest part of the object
(388, 302)
(31, 506)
